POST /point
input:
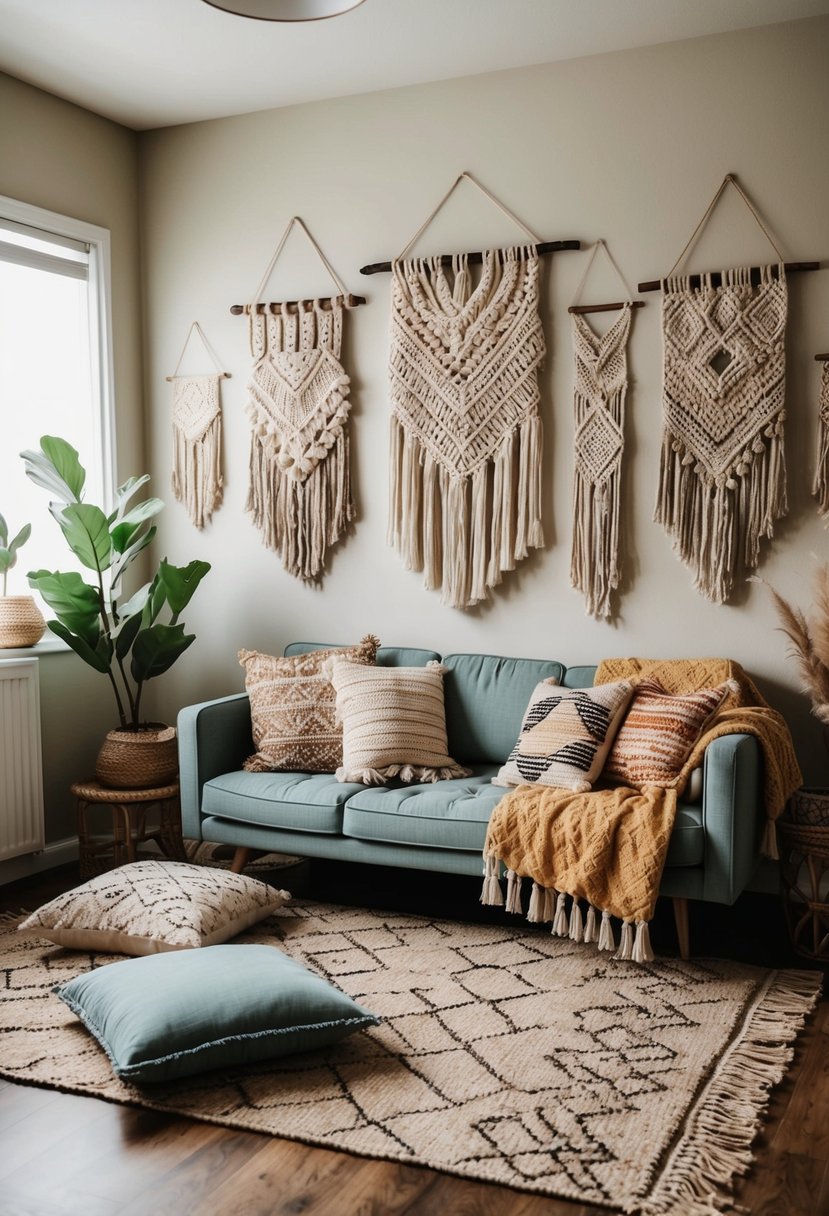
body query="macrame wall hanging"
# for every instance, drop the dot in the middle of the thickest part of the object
(197, 436)
(601, 383)
(299, 491)
(820, 486)
(465, 429)
(722, 482)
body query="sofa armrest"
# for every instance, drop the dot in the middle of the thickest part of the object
(732, 815)
(213, 737)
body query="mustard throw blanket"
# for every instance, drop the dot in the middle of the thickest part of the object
(608, 847)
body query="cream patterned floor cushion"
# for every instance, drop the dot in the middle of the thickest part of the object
(394, 723)
(150, 906)
(566, 735)
(292, 707)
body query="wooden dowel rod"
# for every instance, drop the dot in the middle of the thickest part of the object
(294, 306)
(716, 275)
(822, 358)
(184, 376)
(475, 258)
(583, 308)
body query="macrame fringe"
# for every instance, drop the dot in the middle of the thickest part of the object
(820, 485)
(464, 532)
(697, 1178)
(301, 519)
(407, 773)
(197, 478)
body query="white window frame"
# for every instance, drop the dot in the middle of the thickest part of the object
(100, 314)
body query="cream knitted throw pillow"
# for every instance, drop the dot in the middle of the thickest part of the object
(394, 723)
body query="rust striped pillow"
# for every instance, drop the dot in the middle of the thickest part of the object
(659, 733)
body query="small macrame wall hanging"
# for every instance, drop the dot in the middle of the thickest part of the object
(600, 388)
(722, 479)
(299, 491)
(197, 436)
(820, 486)
(465, 429)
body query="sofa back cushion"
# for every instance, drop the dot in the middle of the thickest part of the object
(387, 656)
(579, 677)
(486, 696)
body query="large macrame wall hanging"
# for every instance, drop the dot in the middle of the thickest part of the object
(601, 383)
(820, 487)
(465, 429)
(197, 436)
(299, 479)
(722, 482)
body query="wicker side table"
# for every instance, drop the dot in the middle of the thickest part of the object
(130, 812)
(803, 837)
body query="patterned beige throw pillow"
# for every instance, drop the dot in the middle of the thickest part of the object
(147, 907)
(659, 732)
(292, 709)
(394, 723)
(566, 735)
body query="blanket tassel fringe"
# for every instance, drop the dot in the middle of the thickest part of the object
(697, 1178)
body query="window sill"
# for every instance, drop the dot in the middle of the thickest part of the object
(48, 644)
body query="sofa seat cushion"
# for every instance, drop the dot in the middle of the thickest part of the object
(301, 802)
(447, 815)
(454, 815)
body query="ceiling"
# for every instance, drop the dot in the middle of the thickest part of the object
(153, 63)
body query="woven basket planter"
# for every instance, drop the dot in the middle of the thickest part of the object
(21, 621)
(803, 837)
(138, 760)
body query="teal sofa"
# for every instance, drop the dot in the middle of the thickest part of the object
(712, 856)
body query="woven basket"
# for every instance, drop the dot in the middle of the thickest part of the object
(803, 839)
(21, 621)
(138, 760)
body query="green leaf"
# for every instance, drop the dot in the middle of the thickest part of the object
(99, 656)
(135, 604)
(56, 468)
(75, 602)
(125, 528)
(21, 538)
(180, 582)
(86, 531)
(121, 563)
(4, 531)
(7, 560)
(155, 601)
(127, 635)
(156, 649)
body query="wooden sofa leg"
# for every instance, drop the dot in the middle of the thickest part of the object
(241, 858)
(681, 919)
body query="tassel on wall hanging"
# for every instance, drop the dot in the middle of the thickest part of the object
(465, 498)
(601, 383)
(197, 436)
(722, 480)
(820, 486)
(299, 491)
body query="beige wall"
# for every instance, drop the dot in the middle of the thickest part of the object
(58, 156)
(629, 147)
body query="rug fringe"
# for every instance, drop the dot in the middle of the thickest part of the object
(698, 1176)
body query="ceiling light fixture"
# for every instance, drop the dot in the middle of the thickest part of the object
(285, 10)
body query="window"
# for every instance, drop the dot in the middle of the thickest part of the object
(55, 367)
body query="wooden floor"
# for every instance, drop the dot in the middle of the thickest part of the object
(62, 1155)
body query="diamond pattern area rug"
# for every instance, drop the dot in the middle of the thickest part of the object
(505, 1054)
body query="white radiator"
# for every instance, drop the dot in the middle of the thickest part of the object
(21, 766)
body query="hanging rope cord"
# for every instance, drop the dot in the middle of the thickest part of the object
(601, 245)
(729, 179)
(195, 327)
(336, 280)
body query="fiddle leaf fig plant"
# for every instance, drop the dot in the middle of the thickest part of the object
(125, 639)
(9, 548)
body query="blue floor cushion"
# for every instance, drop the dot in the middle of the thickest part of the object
(169, 1015)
